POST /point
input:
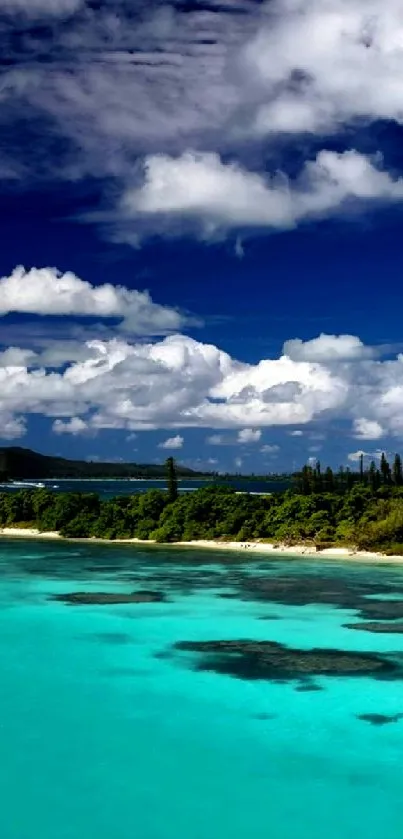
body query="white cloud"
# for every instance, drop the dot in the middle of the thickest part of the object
(355, 457)
(172, 443)
(324, 63)
(165, 82)
(249, 435)
(46, 291)
(74, 426)
(11, 427)
(296, 433)
(327, 348)
(238, 462)
(178, 382)
(217, 440)
(270, 449)
(16, 357)
(200, 188)
(367, 429)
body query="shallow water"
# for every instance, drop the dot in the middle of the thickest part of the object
(107, 731)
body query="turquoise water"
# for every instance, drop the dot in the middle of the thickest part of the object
(107, 731)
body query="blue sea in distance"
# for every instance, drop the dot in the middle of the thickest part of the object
(112, 488)
(109, 732)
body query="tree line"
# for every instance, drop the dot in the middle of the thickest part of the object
(361, 515)
(312, 479)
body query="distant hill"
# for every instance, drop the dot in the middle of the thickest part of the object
(19, 463)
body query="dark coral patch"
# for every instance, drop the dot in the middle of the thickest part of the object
(379, 719)
(227, 595)
(308, 687)
(343, 593)
(375, 626)
(253, 660)
(103, 598)
(269, 618)
(382, 610)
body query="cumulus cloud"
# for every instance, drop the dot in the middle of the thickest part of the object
(201, 188)
(355, 457)
(16, 357)
(324, 63)
(11, 427)
(249, 435)
(296, 433)
(367, 429)
(217, 440)
(178, 382)
(172, 443)
(46, 291)
(270, 449)
(74, 426)
(327, 348)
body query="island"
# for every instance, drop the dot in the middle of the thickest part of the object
(320, 512)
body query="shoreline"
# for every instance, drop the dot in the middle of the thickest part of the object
(262, 548)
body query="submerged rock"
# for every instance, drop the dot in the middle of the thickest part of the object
(308, 687)
(246, 659)
(379, 719)
(341, 591)
(377, 626)
(382, 610)
(103, 598)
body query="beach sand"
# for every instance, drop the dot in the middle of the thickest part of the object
(262, 548)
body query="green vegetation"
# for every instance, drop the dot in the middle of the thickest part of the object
(172, 480)
(364, 509)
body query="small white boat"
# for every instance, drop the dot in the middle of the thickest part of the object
(23, 484)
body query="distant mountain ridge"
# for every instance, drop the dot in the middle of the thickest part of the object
(20, 463)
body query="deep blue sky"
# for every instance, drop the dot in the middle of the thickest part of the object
(69, 174)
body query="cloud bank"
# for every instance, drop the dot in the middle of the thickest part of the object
(176, 382)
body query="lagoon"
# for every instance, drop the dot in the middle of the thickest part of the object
(107, 729)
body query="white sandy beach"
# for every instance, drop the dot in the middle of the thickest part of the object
(29, 533)
(265, 548)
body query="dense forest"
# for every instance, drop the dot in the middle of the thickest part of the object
(364, 509)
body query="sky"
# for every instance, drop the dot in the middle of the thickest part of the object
(201, 206)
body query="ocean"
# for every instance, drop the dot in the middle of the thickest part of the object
(112, 488)
(109, 729)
